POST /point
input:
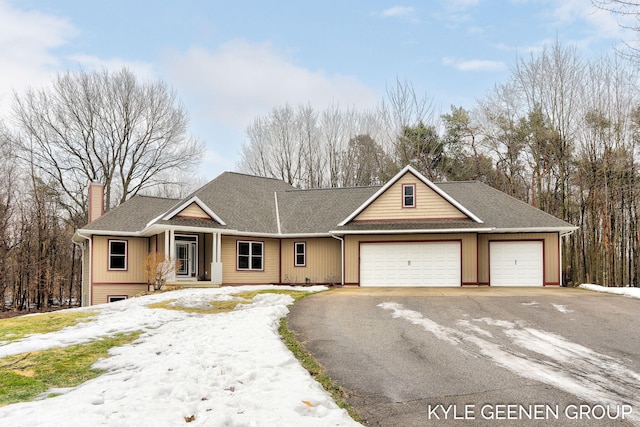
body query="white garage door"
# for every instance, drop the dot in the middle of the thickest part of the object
(515, 264)
(410, 264)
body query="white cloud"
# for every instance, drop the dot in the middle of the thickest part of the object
(604, 24)
(142, 70)
(27, 41)
(239, 81)
(474, 64)
(397, 11)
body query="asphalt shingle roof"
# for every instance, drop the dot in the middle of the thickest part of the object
(133, 215)
(248, 203)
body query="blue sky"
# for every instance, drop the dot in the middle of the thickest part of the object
(230, 61)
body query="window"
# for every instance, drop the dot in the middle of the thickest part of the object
(250, 255)
(114, 298)
(409, 196)
(117, 254)
(300, 254)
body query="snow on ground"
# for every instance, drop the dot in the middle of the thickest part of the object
(538, 355)
(627, 291)
(225, 369)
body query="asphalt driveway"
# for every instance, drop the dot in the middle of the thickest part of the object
(478, 356)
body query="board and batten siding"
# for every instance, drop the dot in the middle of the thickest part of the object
(137, 250)
(468, 247)
(551, 254)
(429, 204)
(271, 262)
(102, 292)
(323, 261)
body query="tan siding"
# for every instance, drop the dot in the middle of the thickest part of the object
(101, 292)
(230, 274)
(551, 254)
(137, 250)
(323, 261)
(194, 211)
(160, 243)
(469, 247)
(429, 204)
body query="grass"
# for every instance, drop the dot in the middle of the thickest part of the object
(25, 376)
(338, 393)
(15, 328)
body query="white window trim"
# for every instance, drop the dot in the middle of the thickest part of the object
(413, 196)
(126, 255)
(118, 298)
(251, 256)
(304, 254)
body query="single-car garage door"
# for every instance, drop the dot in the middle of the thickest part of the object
(516, 263)
(410, 264)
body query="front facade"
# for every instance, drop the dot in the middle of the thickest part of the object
(240, 229)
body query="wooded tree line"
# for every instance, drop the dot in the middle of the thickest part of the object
(561, 133)
(106, 127)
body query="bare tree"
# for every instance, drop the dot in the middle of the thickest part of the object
(628, 14)
(107, 127)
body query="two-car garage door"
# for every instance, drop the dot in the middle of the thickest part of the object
(511, 263)
(410, 264)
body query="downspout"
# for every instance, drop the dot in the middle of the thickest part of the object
(560, 252)
(341, 256)
(81, 245)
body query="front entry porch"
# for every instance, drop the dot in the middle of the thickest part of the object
(198, 255)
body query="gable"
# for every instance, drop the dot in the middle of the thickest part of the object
(193, 211)
(193, 208)
(429, 205)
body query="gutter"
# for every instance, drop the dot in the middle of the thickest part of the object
(565, 231)
(417, 231)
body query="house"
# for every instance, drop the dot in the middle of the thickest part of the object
(240, 229)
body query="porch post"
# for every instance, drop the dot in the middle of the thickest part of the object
(216, 263)
(170, 250)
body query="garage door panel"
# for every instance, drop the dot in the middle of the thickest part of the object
(410, 264)
(516, 263)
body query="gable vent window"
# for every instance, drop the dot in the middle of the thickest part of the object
(250, 255)
(409, 196)
(117, 254)
(301, 254)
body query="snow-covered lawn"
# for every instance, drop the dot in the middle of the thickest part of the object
(225, 369)
(630, 292)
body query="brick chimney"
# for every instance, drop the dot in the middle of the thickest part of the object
(96, 201)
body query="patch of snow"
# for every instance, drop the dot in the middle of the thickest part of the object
(561, 308)
(561, 363)
(531, 304)
(221, 369)
(626, 291)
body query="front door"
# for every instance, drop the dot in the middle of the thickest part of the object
(186, 255)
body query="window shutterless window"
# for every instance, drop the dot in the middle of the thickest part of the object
(115, 298)
(250, 255)
(300, 254)
(117, 254)
(409, 196)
